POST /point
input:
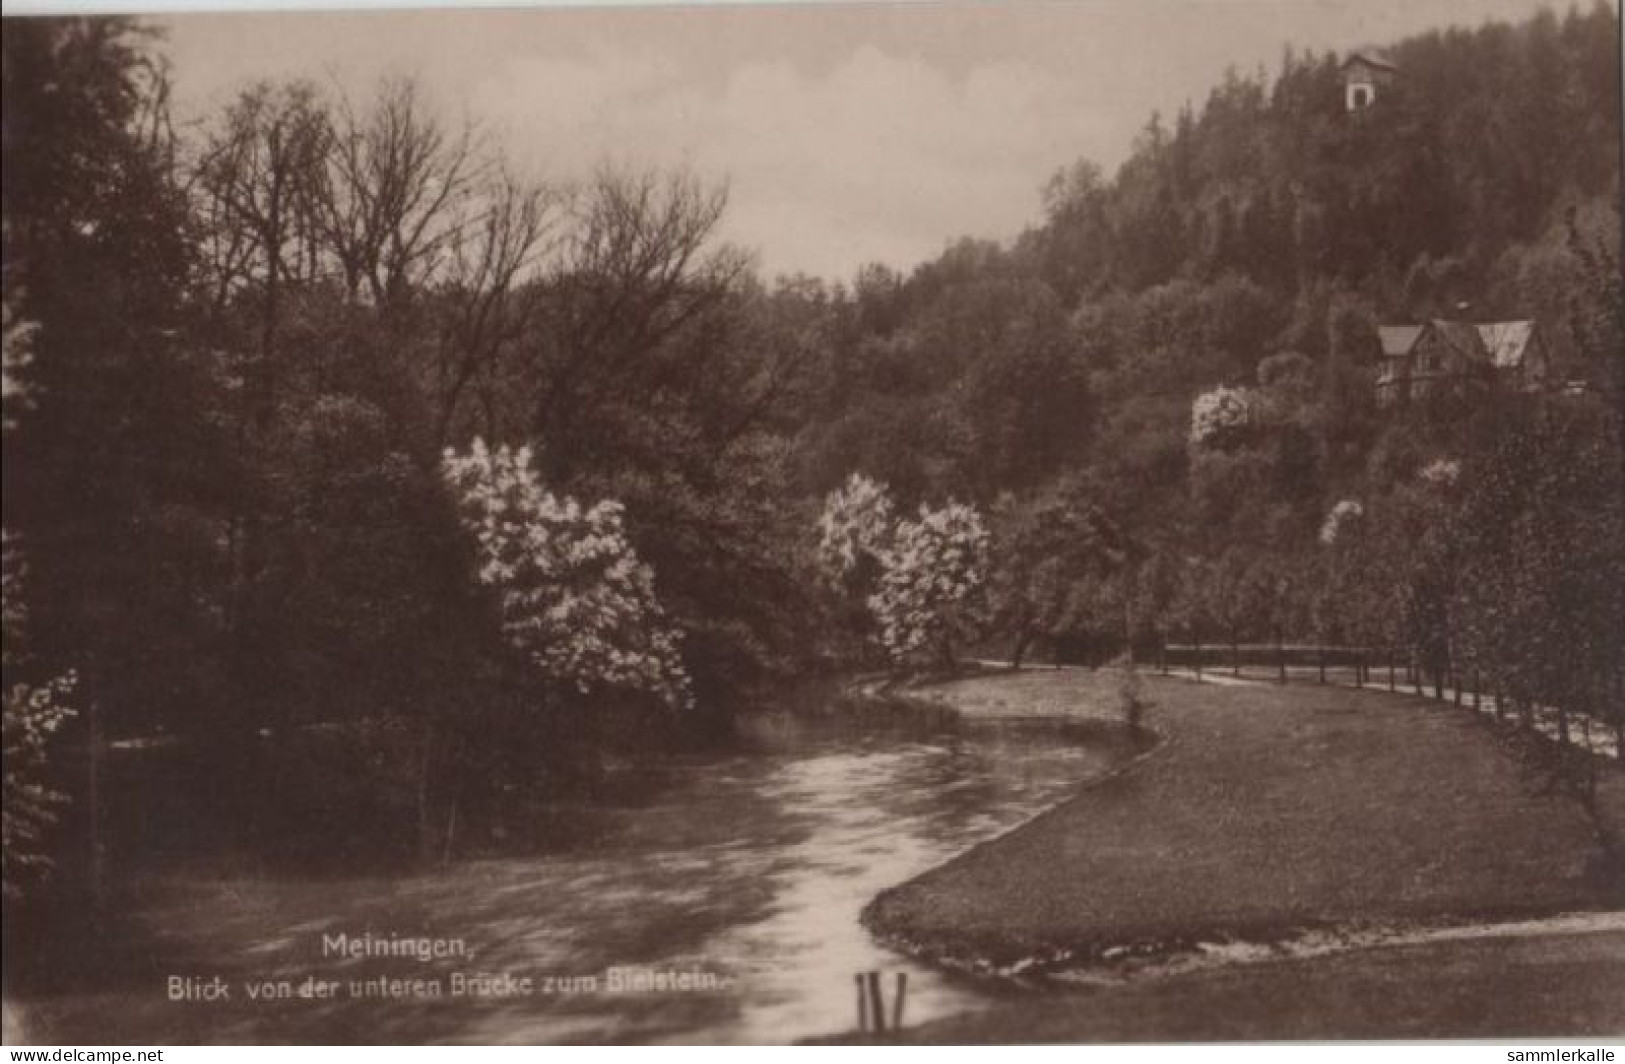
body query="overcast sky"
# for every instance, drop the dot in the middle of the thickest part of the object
(848, 133)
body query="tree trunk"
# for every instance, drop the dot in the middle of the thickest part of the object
(1196, 648)
(1320, 660)
(97, 851)
(1128, 625)
(426, 831)
(1280, 657)
(1023, 641)
(451, 833)
(1391, 685)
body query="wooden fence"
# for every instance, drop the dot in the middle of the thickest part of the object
(1366, 667)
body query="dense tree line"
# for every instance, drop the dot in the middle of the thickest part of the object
(329, 431)
(234, 361)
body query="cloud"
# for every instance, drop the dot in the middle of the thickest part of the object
(848, 131)
(877, 157)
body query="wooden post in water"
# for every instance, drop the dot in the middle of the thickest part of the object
(863, 1003)
(897, 1006)
(877, 1003)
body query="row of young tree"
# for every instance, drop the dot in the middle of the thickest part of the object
(335, 446)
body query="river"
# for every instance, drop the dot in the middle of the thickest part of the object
(743, 870)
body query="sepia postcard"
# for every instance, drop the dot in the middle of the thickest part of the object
(1086, 521)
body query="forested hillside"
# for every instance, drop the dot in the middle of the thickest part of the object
(1267, 220)
(325, 426)
(1246, 252)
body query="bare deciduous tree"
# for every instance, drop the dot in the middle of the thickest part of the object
(389, 205)
(255, 180)
(638, 271)
(491, 300)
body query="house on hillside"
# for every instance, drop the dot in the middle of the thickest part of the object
(1454, 358)
(1364, 72)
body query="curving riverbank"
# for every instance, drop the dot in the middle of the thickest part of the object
(747, 864)
(1268, 815)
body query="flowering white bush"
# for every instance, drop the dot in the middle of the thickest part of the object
(32, 716)
(934, 580)
(575, 599)
(1220, 414)
(856, 522)
(16, 354)
(1341, 516)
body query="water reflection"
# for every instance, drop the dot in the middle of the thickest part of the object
(750, 867)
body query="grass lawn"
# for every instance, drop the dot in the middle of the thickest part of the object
(1267, 811)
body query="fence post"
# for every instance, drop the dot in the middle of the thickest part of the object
(863, 1003)
(877, 1003)
(897, 1006)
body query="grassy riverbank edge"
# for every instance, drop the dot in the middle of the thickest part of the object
(1002, 908)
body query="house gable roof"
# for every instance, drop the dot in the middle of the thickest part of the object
(1371, 57)
(1462, 336)
(1398, 340)
(1507, 342)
